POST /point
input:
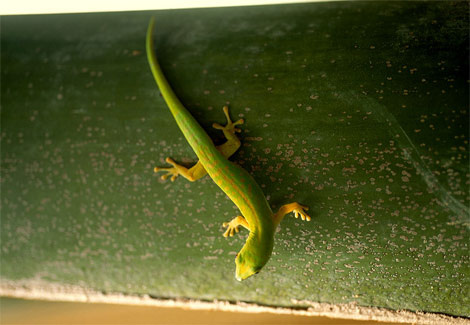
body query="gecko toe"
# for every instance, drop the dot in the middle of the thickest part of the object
(304, 216)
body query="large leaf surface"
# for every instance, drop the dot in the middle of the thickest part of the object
(358, 110)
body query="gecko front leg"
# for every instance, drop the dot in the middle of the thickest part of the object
(299, 210)
(232, 226)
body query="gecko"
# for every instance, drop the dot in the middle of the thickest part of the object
(256, 214)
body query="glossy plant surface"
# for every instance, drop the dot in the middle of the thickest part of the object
(357, 109)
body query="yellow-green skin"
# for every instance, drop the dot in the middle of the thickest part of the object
(236, 182)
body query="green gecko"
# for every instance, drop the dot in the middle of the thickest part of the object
(236, 182)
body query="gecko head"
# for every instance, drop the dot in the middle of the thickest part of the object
(247, 266)
(252, 258)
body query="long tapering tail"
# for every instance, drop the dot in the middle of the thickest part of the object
(193, 132)
(165, 88)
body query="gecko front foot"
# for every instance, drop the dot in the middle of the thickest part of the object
(232, 226)
(170, 171)
(299, 210)
(230, 127)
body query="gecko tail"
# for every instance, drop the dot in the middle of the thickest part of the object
(192, 131)
(170, 97)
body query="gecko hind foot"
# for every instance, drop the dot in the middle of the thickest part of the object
(170, 171)
(231, 126)
(300, 210)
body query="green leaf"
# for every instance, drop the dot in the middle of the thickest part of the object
(357, 109)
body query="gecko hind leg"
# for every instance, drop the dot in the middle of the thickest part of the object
(191, 174)
(197, 171)
(229, 130)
